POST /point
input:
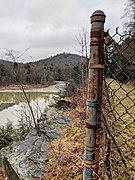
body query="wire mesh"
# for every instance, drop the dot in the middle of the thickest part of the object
(117, 151)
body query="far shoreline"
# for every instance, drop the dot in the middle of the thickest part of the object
(26, 86)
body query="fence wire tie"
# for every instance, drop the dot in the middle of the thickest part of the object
(90, 164)
(96, 66)
(89, 126)
(92, 149)
(89, 148)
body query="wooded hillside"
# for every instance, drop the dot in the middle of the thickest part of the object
(63, 66)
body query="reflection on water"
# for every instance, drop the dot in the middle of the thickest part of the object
(17, 97)
(20, 111)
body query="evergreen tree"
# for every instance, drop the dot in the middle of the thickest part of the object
(129, 16)
(117, 63)
(6, 135)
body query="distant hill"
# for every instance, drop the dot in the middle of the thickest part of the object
(59, 67)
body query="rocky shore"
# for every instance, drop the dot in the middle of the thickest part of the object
(6, 105)
(29, 158)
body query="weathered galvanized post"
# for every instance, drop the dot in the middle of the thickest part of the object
(93, 103)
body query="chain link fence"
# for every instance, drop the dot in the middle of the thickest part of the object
(117, 151)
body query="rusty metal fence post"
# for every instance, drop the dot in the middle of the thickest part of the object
(93, 103)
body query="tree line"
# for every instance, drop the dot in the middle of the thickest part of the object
(61, 67)
(120, 56)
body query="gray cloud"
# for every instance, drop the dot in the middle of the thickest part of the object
(48, 27)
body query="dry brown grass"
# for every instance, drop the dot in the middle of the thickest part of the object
(2, 174)
(66, 153)
(121, 122)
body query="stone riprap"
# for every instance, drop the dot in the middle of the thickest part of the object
(28, 159)
(6, 105)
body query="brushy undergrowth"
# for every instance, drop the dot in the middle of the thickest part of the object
(2, 174)
(66, 154)
(9, 134)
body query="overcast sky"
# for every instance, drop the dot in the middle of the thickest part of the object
(48, 27)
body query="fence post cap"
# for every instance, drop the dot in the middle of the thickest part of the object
(98, 16)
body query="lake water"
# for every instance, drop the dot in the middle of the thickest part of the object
(39, 99)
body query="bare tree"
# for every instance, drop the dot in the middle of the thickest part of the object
(129, 17)
(83, 42)
(11, 55)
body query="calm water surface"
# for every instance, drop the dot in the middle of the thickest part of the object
(39, 101)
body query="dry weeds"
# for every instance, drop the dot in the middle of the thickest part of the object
(66, 153)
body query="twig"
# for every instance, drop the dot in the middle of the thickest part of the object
(107, 160)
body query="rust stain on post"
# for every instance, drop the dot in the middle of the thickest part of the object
(93, 103)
